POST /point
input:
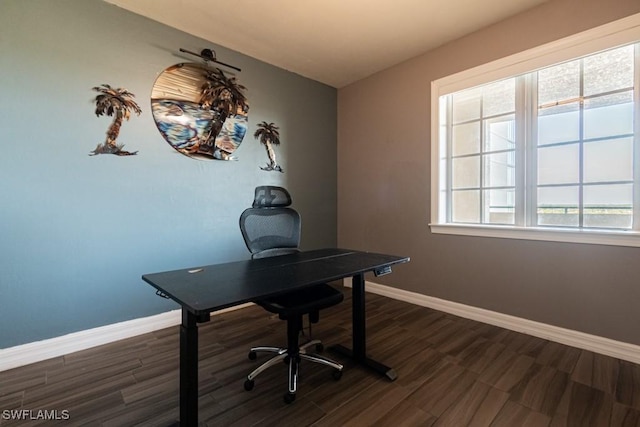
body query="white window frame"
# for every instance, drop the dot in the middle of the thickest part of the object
(608, 36)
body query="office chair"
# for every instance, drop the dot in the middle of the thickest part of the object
(271, 228)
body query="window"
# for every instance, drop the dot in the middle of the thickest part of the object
(482, 147)
(543, 145)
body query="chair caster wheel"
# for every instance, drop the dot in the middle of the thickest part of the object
(289, 398)
(252, 355)
(336, 375)
(319, 348)
(248, 385)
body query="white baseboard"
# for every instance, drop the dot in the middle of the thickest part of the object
(597, 344)
(38, 351)
(26, 354)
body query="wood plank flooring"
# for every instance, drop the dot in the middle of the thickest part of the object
(451, 372)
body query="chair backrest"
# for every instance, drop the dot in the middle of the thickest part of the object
(270, 227)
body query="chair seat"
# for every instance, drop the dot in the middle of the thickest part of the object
(298, 303)
(271, 228)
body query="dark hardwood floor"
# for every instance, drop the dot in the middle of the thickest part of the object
(451, 372)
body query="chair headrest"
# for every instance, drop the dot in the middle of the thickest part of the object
(269, 196)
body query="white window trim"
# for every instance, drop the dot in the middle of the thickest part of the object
(617, 33)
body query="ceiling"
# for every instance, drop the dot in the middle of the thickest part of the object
(336, 42)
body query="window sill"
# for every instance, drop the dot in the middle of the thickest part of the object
(592, 237)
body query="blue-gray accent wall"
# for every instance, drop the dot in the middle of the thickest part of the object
(77, 232)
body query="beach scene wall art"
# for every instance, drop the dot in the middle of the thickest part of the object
(200, 111)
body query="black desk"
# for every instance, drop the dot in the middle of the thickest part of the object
(202, 290)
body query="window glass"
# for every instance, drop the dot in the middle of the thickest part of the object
(466, 105)
(499, 170)
(608, 160)
(609, 115)
(466, 138)
(559, 83)
(466, 172)
(553, 148)
(608, 206)
(499, 206)
(559, 124)
(558, 206)
(500, 133)
(608, 71)
(499, 98)
(559, 164)
(466, 206)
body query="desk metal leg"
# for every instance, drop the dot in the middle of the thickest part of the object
(359, 353)
(188, 369)
(358, 316)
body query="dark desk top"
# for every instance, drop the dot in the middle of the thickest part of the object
(208, 288)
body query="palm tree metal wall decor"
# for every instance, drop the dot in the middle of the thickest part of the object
(118, 103)
(268, 135)
(225, 97)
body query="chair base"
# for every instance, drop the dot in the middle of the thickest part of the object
(282, 354)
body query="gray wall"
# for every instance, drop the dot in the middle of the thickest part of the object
(383, 123)
(77, 232)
